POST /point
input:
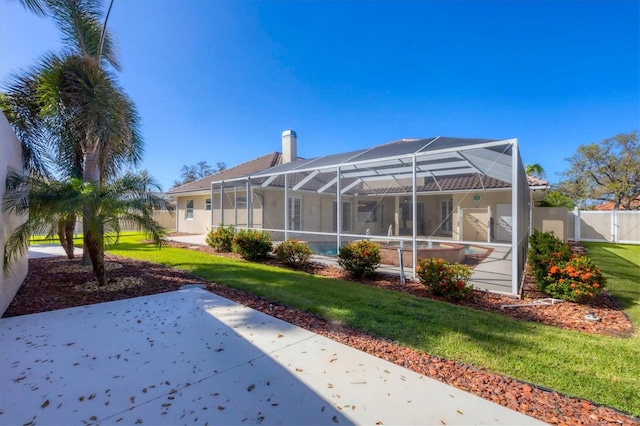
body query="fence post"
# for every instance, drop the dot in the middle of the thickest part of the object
(576, 224)
(614, 226)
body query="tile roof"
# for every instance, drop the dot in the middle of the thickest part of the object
(452, 183)
(536, 181)
(204, 184)
(608, 205)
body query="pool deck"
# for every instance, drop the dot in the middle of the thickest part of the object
(492, 274)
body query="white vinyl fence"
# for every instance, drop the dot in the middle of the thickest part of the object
(616, 226)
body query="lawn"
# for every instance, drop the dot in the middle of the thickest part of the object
(621, 264)
(603, 369)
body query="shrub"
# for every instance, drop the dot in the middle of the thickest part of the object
(221, 239)
(444, 279)
(252, 244)
(578, 280)
(294, 253)
(360, 258)
(545, 251)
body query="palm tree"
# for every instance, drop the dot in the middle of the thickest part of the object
(123, 201)
(534, 170)
(73, 102)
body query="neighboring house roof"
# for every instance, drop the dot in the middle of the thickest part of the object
(536, 181)
(635, 204)
(204, 184)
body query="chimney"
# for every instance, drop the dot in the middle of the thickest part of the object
(289, 146)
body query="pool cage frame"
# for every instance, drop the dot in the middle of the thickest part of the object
(407, 169)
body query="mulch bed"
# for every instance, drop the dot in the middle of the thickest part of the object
(57, 283)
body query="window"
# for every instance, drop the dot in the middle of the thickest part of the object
(294, 206)
(446, 216)
(367, 211)
(345, 217)
(207, 204)
(241, 201)
(189, 211)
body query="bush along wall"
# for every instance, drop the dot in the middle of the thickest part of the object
(561, 274)
(252, 244)
(449, 280)
(360, 258)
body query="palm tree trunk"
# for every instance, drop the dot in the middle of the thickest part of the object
(66, 227)
(93, 232)
(86, 255)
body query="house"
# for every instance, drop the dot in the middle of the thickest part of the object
(608, 205)
(193, 203)
(464, 190)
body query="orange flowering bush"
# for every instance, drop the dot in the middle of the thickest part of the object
(545, 250)
(577, 279)
(360, 258)
(444, 279)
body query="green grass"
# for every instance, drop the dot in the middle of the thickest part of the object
(621, 266)
(603, 369)
(78, 239)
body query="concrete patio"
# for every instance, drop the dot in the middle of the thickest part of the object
(191, 357)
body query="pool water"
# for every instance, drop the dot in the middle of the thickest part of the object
(324, 249)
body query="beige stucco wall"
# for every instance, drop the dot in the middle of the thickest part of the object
(201, 221)
(477, 220)
(165, 218)
(11, 158)
(551, 219)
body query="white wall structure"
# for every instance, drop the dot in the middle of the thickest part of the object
(614, 226)
(10, 158)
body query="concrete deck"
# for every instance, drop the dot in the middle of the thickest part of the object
(191, 357)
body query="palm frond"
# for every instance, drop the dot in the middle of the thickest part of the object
(82, 24)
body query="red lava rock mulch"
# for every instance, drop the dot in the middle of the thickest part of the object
(57, 283)
(567, 315)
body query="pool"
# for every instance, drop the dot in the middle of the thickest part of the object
(324, 248)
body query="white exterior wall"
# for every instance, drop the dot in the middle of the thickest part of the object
(11, 158)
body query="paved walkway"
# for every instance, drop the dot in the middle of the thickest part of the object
(191, 357)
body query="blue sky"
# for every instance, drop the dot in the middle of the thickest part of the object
(221, 80)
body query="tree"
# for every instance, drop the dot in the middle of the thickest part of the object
(608, 171)
(557, 199)
(125, 200)
(78, 103)
(198, 171)
(534, 170)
